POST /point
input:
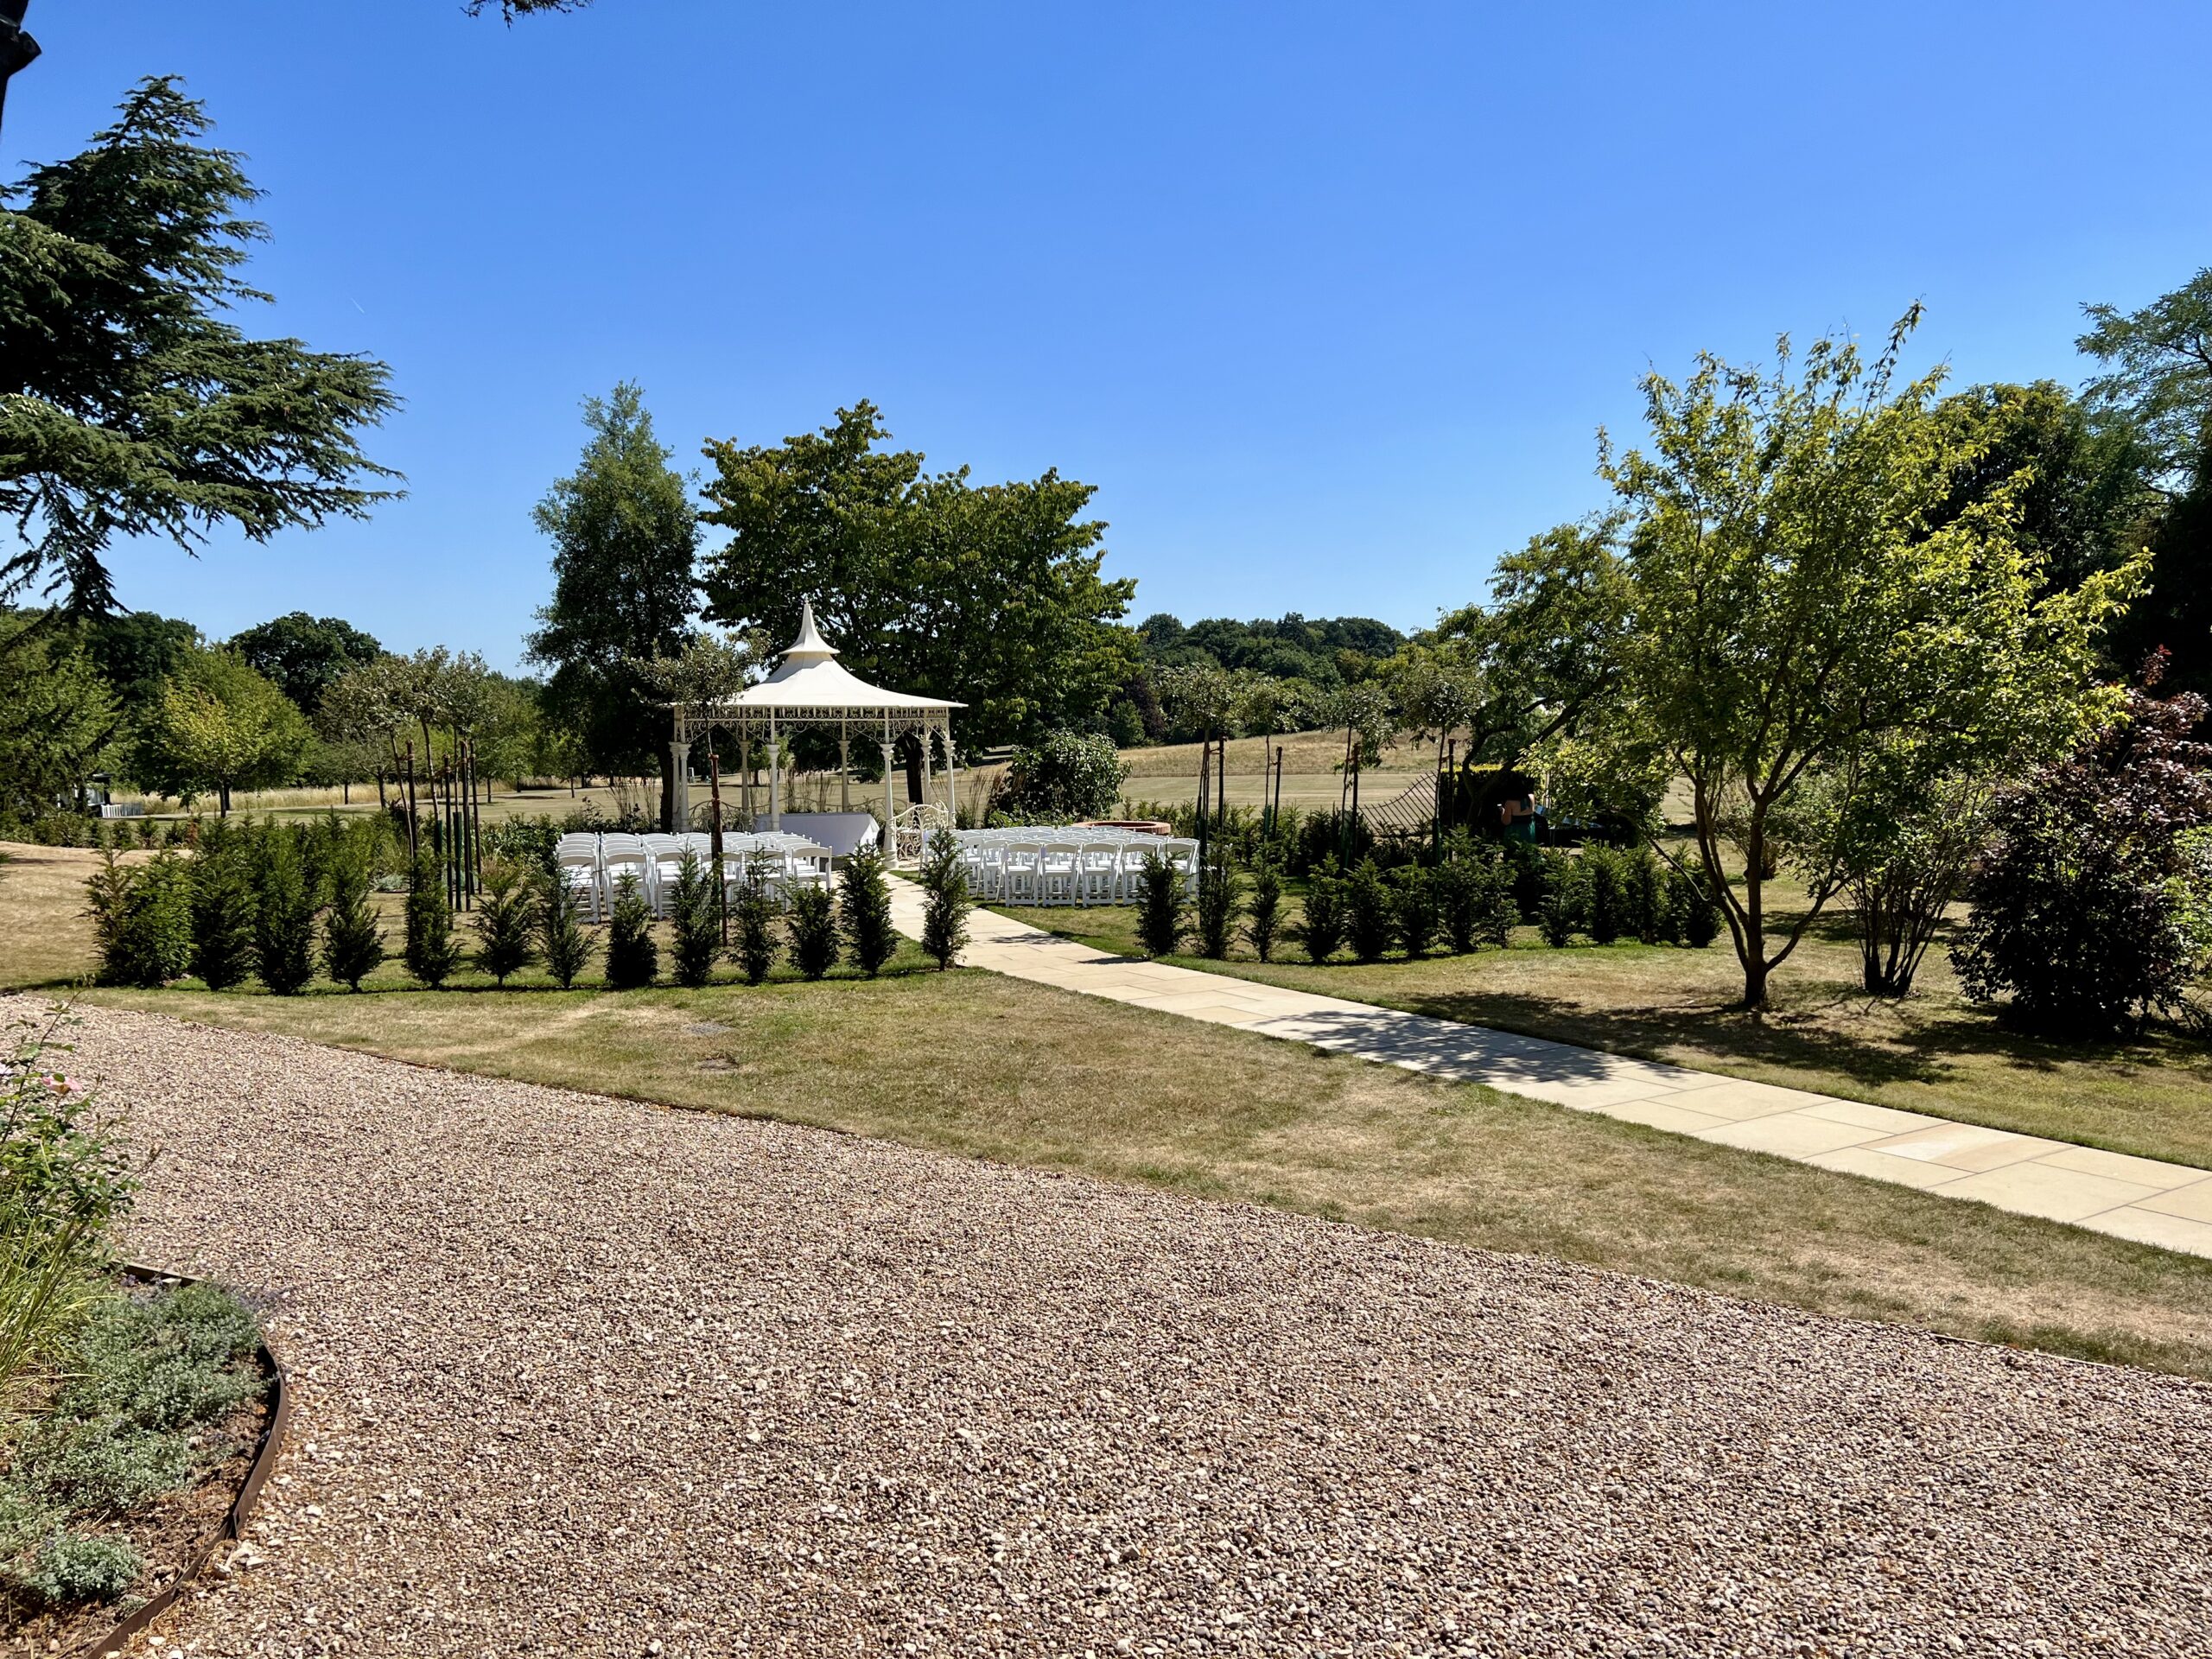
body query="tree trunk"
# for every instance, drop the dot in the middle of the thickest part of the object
(1755, 972)
(913, 770)
(1752, 952)
(223, 794)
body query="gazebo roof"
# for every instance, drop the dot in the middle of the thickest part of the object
(809, 679)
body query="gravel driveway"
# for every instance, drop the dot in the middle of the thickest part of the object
(586, 1376)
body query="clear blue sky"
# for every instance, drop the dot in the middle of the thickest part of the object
(1327, 301)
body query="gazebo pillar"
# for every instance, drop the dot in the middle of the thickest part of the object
(890, 817)
(679, 762)
(775, 777)
(844, 770)
(952, 778)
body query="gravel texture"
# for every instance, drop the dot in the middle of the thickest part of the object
(581, 1376)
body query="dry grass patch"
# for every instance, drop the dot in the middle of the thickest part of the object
(45, 937)
(966, 1064)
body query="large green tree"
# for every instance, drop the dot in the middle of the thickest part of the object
(991, 595)
(137, 652)
(218, 727)
(303, 654)
(56, 715)
(1795, 605)
(2158, 373)
(130, 403)
(624, 535)
(2157, 378)
(2081, 486)
(1545, 650)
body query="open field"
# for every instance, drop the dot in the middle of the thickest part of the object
(969, 1064)
(1935, 1051)
(1170, 773)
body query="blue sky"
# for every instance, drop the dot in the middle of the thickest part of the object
(1327, 301)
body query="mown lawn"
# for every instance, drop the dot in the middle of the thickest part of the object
(1936, 1052)
(969, 1064)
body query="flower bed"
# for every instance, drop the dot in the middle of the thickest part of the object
(120, 1477)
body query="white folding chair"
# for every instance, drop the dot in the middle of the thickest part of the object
(1019, 873)
(1182, 854)
(1098, 866)
(620, 855)
(1058, 864)
(578, 869)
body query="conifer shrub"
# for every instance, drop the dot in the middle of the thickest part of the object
(1263, 915)
(222, 907)
(352, 944)
(1475, 886)
(1644, 886)
(632, 957)
(811, 929)
(753, 919)
(432, 954)
(1413, 908)
(1699, 917)
(1160, 906)
(1498, 912)
(1370, 914)
(1604, 894)
(864, 914)
(507, 921)
(142, 920)
(1323, 931)
(1221, 903)
(562, 941)
(284, 911)
(695, 927)
(946, 902)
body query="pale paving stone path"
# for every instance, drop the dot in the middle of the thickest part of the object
(2140, 1198)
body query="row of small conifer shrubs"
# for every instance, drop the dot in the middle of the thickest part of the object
(283, 902)
(1472, 896)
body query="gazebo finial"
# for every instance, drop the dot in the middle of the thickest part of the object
(809, 646)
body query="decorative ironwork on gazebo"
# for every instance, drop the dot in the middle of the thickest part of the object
(809, 687)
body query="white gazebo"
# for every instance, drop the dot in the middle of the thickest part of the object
(811, 687)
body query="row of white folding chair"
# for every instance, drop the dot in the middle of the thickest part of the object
(657, 863)
(1072, 871)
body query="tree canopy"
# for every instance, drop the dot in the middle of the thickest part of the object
(2157, 382)
(135, 652)
(624, 534)
(130, 404)
(1794, 602)
(218, 727)
(2080, 485)
(990, 594)
(2158, 373)
(56, 715)
(303, 654)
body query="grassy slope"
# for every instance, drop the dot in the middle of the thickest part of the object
(966, 1064)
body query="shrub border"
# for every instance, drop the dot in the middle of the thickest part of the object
(241, 1510)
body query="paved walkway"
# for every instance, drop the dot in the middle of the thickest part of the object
(2140, 1198)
